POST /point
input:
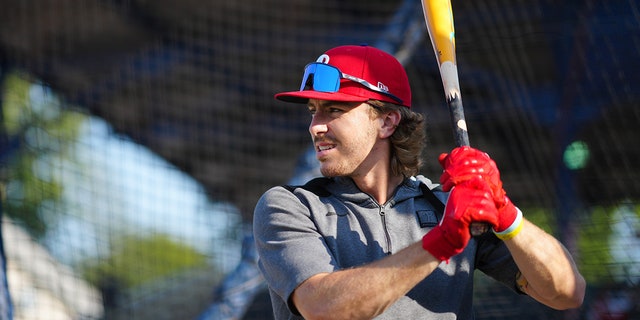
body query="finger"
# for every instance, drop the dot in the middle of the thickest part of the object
(442, 159)
(481, 206)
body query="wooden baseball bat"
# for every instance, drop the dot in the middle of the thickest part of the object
(438, 16)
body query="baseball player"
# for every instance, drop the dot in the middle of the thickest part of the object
(373, 238)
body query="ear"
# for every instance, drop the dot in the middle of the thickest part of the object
(390, 122)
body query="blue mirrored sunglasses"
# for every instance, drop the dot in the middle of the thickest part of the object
(326, 78)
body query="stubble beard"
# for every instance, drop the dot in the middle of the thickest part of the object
(330, 171)
(338, 166)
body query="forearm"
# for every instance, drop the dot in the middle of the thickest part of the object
(552, 276)
(366, 291)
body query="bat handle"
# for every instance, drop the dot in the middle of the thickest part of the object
(461, 137)
(479, 228)
(458, 123)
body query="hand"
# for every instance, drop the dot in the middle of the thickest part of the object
(470, 201)
(466, 163)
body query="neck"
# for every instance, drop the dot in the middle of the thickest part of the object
(374, 175)
(380, 187)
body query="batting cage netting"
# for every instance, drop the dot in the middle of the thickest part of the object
(136, 137)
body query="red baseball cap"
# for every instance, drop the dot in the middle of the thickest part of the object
(382, 71)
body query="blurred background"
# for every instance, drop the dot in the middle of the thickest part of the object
(136, 136)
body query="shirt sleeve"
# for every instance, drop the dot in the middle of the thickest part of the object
(494, 259)
(289, 246)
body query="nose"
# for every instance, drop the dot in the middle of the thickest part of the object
(318, 125)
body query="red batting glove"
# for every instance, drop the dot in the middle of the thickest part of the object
(470, 201)
(466, 163)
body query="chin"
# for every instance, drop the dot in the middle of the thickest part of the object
(329, 172)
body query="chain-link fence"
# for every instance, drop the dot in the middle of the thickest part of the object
(137, 136)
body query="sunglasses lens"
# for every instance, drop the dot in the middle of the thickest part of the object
(321, 77)
(326, 78)
(307, 78)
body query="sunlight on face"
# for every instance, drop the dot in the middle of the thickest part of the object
(344, 135)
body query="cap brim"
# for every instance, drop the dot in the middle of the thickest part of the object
(304, 96)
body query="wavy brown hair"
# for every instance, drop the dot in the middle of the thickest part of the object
(408, 141)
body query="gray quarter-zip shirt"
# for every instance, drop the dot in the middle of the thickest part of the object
(300, 232)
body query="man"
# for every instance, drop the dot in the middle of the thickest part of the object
(370, 240)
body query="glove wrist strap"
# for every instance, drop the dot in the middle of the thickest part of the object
(513, 229)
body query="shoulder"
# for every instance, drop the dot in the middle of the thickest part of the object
(278, 208)
(317, 186)
(288, 198)
(276, 194)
